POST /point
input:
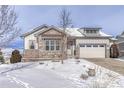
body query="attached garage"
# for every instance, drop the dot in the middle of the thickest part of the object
(92, 51)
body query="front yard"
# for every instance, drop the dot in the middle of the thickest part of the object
(54, 74)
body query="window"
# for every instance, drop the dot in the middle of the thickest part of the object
(47, 45)
(88, 31)
(91, 31)
(88, 45)
(101, 45)
(94, 31)
(31, 44)
(95, 45)
(57, 45)
(52, 45)
(82, 45)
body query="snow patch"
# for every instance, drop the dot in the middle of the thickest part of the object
(12, 78)
(103, 34)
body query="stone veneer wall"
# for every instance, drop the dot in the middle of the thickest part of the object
(35, 54)
(31, 53)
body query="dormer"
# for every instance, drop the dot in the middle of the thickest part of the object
(90, 31)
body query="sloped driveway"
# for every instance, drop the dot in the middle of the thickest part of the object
(109, 63)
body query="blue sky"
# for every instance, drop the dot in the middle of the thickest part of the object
(110, 18)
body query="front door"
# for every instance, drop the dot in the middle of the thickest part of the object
(71, 48)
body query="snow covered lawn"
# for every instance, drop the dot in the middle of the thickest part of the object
(57, 75)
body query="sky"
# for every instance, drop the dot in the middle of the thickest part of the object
(109, 18)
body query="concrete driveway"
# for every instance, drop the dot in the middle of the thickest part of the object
(109, 63)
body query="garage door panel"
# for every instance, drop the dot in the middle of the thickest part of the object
(92, 52)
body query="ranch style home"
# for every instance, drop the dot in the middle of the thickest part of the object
(45, 42)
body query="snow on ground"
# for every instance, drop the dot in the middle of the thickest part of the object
(54, 74)
(30, 77)
(72, 71)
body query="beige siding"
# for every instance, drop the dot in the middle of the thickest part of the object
(31, 37)
(26, 41)
(93, 41)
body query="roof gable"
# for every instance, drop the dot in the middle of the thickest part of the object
(72, 32)
(52, 31)
(35, 30)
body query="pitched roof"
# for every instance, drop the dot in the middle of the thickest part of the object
(74, 32)
(35, 30)
(104, 35)
(49, 28)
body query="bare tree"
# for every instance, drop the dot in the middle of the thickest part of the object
(65, 21)
(8, 25)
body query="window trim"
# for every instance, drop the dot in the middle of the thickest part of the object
(30, 44)
(55, 45)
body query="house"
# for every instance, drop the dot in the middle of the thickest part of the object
(120, 42)
(45, 42)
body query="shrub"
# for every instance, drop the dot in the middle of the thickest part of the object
(114, 52)
(15, 57)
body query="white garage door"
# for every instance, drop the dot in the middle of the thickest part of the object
(92, 51)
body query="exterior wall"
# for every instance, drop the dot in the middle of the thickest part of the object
(49, 34)
(36, 54)
(120, 39)
(31, 53)
(121, 53)
(121, 49)
(52, 32)
(31, 37)
(94, 41)
(26, 41)
(120, 43)
(39, 53)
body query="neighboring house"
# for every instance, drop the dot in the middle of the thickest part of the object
(44, 42)
(120, 42)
